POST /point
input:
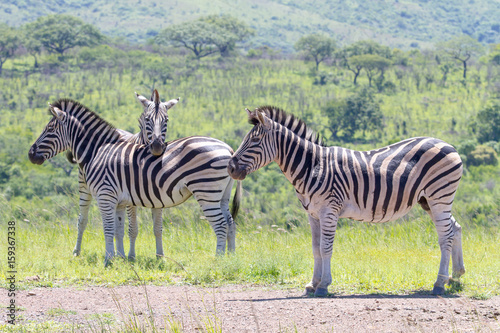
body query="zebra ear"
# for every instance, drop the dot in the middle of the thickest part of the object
(264, 120)
(58, 113)
(171, 103)
(142, 99)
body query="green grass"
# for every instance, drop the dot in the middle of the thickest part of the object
(393, 258)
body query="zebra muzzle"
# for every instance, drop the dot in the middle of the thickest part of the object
(157, 147)
(235, 170)
(34, 157)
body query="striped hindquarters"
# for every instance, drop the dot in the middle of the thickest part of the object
(383, 184)
(193, 165)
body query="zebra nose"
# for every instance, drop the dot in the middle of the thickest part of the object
(231, 167)
(156, 147)
(34, 157)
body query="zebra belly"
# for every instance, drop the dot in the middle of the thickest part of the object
(179, 196)
(353, 211)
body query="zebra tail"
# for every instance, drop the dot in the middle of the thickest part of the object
(236, 200)
(70, 157)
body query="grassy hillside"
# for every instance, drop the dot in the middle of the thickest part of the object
(280, 23)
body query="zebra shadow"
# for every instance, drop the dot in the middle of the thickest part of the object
(420, 294)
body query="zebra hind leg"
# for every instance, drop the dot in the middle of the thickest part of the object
(215, 217)
(456, 251)
(133, 230)
(440, 213)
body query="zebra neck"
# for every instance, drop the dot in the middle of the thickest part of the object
(299, 159)
(86, 138)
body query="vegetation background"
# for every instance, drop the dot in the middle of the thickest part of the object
(362, 74)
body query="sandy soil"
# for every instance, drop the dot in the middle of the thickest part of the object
(240, 308)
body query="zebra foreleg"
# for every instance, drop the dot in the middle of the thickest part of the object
(120, 231)
(133, 230)
(318, 263)
(85, 200)
(108, 214)
(231, 226)
(328, 225)
(158, 230)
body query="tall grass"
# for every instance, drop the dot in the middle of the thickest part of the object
(397, 257)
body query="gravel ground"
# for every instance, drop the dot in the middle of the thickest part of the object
(239, 308)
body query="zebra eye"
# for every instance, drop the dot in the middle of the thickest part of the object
(51, 128)
(255, 139)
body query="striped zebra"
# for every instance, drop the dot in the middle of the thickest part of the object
(372, 186)
(119, 173)
(153, 125)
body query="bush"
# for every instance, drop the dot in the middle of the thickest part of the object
(482, 155)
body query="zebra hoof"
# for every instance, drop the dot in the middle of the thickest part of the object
(438, 291)
(309, 290)
(457, 274)
(321, 292)
(76, 253)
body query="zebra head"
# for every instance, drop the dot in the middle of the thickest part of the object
(153, 122)
(53, 139)
(258, 148)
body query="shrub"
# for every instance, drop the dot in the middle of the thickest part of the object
(482, 155)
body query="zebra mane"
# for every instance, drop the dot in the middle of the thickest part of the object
(296, 125)
(63, 104)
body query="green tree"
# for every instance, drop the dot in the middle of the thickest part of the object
(206, 35)
(33, 46)
(227, 31)
(358, 112)
(494, 55)
(9, 42)
(317, 47)
(59, 33)
(487, 124)
(350, 56)
(461, 48)
(372, 63)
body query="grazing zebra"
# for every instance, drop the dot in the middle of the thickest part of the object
(153, 125)
(119, 173)
(372, 186)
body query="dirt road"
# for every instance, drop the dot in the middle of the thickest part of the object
(255, 309)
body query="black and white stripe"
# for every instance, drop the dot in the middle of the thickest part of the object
(373, 186)
(153, 120)
(119, 173)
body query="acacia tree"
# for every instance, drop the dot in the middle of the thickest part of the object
(350, 57)
(227, 31)
(33, 46)
(9, 42)
(59, 33)
(317, 46)
(206, 35)
(461, 48)
(372, 63)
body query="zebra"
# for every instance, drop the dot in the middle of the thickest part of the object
(372, 186)
(119, 173)
(153, 126)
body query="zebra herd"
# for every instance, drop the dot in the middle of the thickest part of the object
(120, 170)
